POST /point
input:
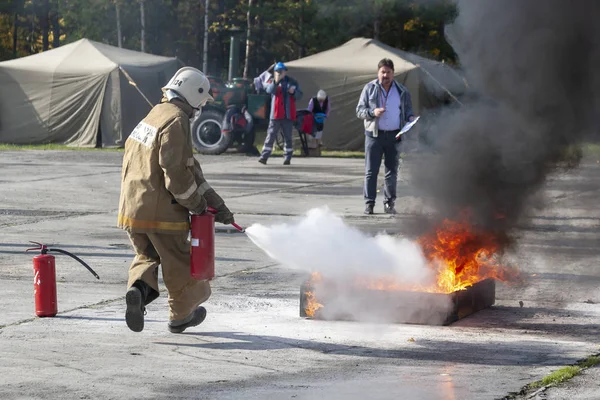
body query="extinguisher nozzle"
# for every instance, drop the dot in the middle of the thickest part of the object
(239, 228)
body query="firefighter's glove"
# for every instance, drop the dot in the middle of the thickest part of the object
(199, 205)
(224, 216)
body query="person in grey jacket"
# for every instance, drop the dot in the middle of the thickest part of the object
(385, 106)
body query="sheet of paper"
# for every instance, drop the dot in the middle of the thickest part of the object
(407, 127)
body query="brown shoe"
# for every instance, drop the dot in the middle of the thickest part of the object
(194, 319)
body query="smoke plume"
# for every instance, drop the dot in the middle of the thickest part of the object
(535, 67)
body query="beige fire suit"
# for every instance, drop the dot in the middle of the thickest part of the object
(161, 184)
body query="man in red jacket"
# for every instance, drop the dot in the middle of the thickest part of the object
(285, 92)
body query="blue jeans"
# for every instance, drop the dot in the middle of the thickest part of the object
(384, 146)
(275, 125)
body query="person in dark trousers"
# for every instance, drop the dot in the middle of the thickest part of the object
(320, 107)
(385, 106)
(285, 92)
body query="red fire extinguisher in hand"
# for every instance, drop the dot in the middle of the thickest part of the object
(202, 253)
(44, 279)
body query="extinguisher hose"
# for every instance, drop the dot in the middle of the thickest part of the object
(66, 253)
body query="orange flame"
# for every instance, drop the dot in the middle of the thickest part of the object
(459, 254)
(312, 305)
(462, 255)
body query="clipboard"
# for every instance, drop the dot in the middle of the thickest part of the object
(407, 127)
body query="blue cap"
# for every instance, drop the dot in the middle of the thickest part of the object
(280, 66)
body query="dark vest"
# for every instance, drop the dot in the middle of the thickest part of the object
(317, 106)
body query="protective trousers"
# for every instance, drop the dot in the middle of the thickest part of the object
(172, 253)
(276, 125)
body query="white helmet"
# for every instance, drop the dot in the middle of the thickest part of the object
(321, 95)
(192, 85)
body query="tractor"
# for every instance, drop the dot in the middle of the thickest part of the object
(207, 135)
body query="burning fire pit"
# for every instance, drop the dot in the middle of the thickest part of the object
(401, 306)
(466, 265)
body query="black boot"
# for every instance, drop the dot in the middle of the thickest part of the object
(389, 208)
(194, 319)
(369, 209)
(135, 298)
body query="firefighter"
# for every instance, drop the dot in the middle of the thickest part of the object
(162, 183)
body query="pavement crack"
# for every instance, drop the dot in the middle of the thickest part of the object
(66, 215)
(228, 361)
(247, 270)
(282, 190)
(122, 298)
(60, 365)
(69, 176)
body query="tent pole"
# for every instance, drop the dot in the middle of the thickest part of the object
(132, 83)
(439, 83)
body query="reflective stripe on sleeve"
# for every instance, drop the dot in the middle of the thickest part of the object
(205, 187)
(186, 195)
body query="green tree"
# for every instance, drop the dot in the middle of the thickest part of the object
(280, 29)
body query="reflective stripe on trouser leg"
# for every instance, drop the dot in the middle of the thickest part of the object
(272, 131)
(145, 264)
(288, 149)
(185, 293)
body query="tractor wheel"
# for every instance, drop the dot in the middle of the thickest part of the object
(206, 133)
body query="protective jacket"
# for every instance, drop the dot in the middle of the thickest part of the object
(161, 180)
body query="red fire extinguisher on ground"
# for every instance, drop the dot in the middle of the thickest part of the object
(202, 254)
(44, 279)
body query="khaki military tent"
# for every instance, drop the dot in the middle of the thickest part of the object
(343, 71)
(79, 94)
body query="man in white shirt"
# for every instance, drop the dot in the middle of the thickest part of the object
(385, 106)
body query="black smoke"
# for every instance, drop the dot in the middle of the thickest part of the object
(536, 68)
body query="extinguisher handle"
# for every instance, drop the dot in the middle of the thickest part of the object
(236, 226)
(41, 247)
(66, 253)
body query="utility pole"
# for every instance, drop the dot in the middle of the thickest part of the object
(32, 26)
(119, 39)
(15, 34)
(248, 39)
(205, 50)
(143, 18)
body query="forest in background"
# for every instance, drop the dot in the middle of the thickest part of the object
(198, 31)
